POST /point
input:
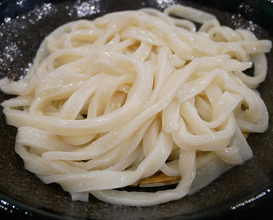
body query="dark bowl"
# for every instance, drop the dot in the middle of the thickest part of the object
(242, 192)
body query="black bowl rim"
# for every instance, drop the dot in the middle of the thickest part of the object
(232, 208)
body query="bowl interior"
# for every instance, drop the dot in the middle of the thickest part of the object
(23, 27)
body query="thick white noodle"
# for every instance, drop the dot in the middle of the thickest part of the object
(111, 101)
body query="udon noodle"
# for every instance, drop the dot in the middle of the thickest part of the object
(112, 101)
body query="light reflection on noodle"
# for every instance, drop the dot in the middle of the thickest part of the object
(111, 101)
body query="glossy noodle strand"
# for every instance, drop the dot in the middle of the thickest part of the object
(115, 100)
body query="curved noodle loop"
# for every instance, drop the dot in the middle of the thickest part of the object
(112, 101)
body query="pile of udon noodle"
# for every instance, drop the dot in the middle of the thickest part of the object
(110, 102)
